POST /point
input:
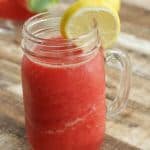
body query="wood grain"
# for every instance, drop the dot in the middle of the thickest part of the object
(12, 126)
(144, 3)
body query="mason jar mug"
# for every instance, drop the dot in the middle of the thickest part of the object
(64, 86)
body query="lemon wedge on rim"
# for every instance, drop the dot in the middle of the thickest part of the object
(115, 4)
(78, 19)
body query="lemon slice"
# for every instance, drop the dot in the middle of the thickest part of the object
(78, 20)
(113, 3)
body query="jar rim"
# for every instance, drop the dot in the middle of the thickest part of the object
(89, 40)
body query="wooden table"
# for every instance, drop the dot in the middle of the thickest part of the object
(131, 126)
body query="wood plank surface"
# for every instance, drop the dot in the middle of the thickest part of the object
(144, 3)
(12, 134)
(131, 126)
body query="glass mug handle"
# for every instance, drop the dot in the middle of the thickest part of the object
(121, 99)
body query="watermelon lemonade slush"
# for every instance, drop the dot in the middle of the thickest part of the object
(63, 87)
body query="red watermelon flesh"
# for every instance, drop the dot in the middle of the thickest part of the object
(10, 9)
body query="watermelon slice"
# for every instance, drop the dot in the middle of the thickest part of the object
(10, 9)
(37, 5)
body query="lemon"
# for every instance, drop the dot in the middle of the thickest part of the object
(78, 19)
(115, 4)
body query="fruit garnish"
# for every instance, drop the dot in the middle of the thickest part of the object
(78, 19)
